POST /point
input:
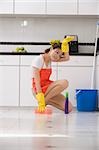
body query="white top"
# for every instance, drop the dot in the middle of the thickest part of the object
(38, 62)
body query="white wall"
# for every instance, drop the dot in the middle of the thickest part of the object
(44, 29)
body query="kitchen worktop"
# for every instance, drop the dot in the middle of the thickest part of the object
(37, 53)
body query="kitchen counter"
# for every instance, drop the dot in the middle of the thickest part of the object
(37, 53)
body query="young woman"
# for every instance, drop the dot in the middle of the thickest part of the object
(48, 92)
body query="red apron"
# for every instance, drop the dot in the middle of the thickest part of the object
(44, 80)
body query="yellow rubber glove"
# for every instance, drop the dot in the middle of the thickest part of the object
(41, 102)
(65, 45)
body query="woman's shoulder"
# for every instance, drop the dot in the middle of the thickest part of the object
(38, 58)
(38, 61)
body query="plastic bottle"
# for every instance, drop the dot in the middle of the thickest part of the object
(66, 104)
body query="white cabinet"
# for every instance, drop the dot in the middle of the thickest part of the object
(26, 96)
(78, 72)
(9, 80)
(15, 78)
(89, 7)
(62, 7)
(50, 7)
(6, 6)
(29, 6)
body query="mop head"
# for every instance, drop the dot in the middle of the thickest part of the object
(48, 110)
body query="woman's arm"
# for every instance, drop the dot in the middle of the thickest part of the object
(64, 57)
(37, 79)
(39, 95)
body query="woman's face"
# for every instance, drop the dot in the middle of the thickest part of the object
(55, 54)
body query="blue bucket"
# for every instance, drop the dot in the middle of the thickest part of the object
(86, 99)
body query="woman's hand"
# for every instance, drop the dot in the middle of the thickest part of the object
(65, 46)
(39, 96)
(41, 102)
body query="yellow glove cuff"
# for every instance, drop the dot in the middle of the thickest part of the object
(39, 95)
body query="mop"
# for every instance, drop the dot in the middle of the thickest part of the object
(94, 59)
(92, 87)
(94, 62)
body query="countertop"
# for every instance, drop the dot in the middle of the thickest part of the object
(37, 53)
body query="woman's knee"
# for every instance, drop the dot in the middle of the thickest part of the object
(64, 83)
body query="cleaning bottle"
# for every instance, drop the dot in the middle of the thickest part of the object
(66, 104)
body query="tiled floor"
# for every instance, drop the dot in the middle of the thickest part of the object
(22, 129)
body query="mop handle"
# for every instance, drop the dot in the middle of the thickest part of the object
(94, 59)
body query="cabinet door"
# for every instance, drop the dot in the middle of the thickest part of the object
(26, 96)
(88, 7)
(9, 85)
(78, 77)
(61, 7)
(29, 6)
(6, 6)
